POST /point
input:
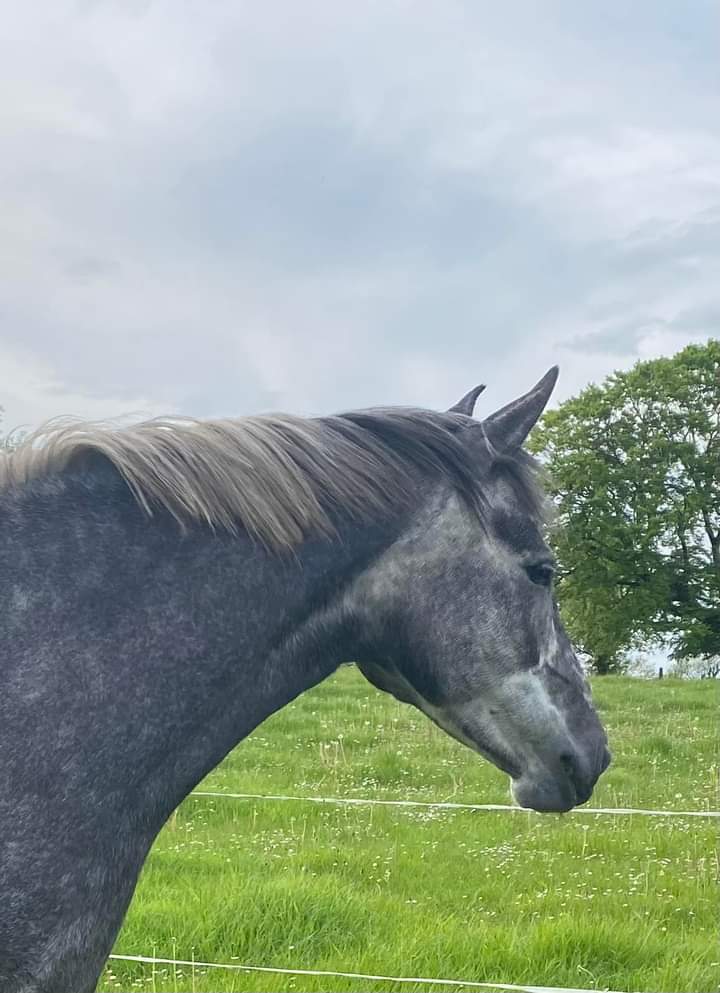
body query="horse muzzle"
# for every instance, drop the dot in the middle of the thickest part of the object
(568, 782)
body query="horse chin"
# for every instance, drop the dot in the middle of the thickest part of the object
(547, 796)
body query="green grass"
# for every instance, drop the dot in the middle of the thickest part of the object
(627, 903)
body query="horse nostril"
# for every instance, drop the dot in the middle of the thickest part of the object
(581, 776)
(571, 767)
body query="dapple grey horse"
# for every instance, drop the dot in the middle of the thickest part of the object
(166, 587)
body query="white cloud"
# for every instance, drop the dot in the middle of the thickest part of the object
(32, 395)
(222, 208)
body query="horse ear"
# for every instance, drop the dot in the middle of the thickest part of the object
(467, 404)
(508, 427)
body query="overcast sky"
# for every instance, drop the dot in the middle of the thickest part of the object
(217, 207)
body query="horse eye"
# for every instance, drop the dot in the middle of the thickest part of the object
(541, 574)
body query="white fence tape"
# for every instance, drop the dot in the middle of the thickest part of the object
(468, 983)
(367, 801)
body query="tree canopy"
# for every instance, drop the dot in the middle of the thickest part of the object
(634, 467)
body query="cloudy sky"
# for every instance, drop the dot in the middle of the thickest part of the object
(223, 207)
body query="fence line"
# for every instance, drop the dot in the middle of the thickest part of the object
(367, 801)
(474, 984)
(446, 805)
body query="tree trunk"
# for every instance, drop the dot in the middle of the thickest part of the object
(602, 665)
(714, 537)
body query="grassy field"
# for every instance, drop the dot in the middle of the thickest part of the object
(626, 903)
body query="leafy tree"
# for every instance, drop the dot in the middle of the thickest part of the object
(634, 466)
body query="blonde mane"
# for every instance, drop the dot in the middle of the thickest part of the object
(279, 477)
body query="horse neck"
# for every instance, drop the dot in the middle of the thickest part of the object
(157, 653)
